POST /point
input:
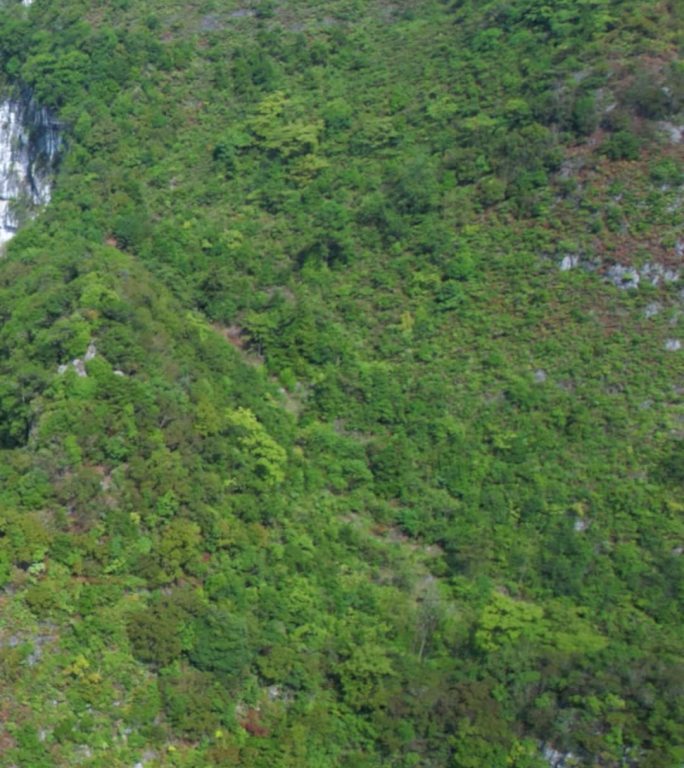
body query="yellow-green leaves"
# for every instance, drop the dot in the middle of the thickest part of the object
(268, 456)
(277, 128)
(504, 621)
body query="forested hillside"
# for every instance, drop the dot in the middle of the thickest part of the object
(341, 386)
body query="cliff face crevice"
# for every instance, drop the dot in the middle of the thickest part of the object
(30, 141)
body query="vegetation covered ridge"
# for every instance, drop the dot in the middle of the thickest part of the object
(341, 387)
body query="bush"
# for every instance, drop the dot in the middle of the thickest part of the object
(220, 644)
(623, 145)
(584, 117)
(648, 98)
(667, 171)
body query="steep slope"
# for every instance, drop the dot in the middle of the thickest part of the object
(29, 146)
(340, 387)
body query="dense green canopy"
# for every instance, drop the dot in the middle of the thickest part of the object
(378, 458)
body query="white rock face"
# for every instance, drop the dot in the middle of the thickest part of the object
(557, 759)
(78, 364)
(675, 133)
(29, 144)
(656, 273)
(625, 278)
(570, 261)
(652, 309)
(628, 278)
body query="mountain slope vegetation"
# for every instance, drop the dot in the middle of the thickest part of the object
(341, 386)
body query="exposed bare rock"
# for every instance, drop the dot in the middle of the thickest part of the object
(625, 278)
